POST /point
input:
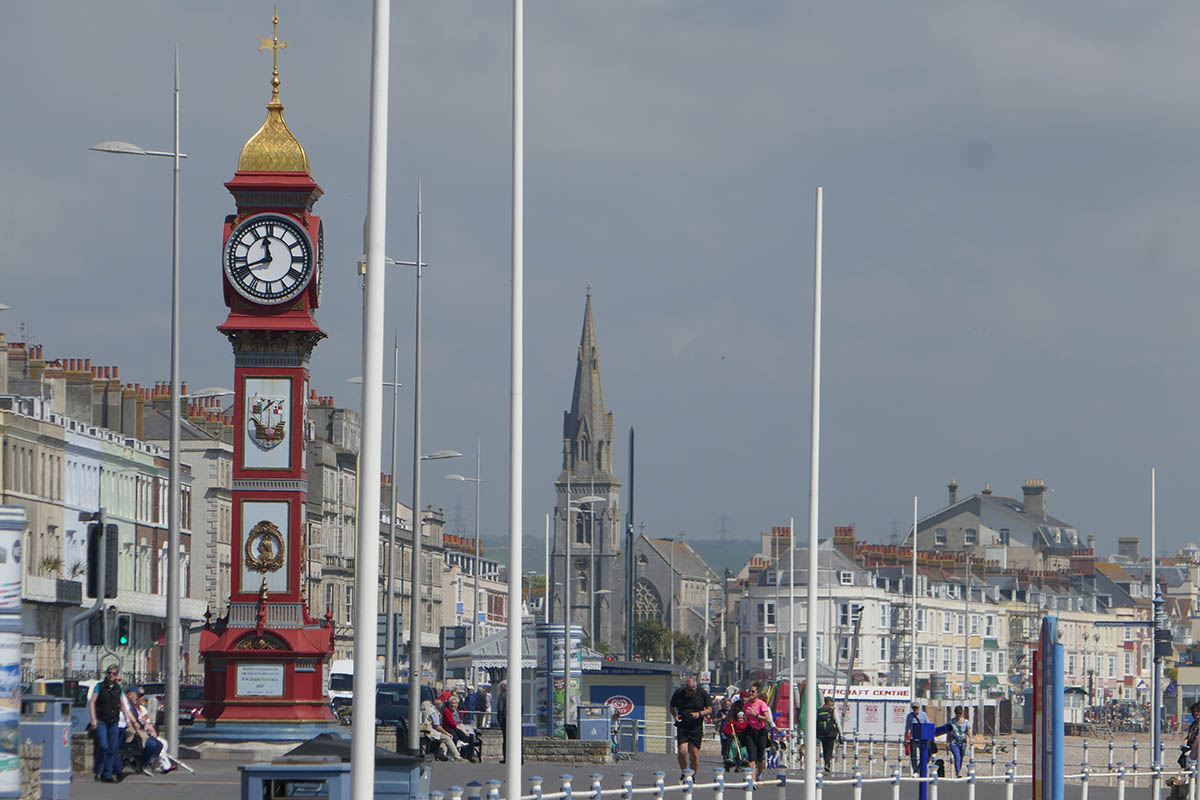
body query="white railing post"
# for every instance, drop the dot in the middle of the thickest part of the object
(1083, 784)
(1008, 784)
(857, 785)
(493, 791)
(1112, 765)
(474, 790)
(933, 786)
(749, 795)
(627, 785)
(566, 785)
(820, 781)
(871, 755)
(596, 778)
(659, 779)
(1135, 769)
(1120, 782)
(719, 777)
(1192, 781)
(689, 781)
(896, 784)
(436, 795)
(535, 788)
(1156, 783)
(782, 778)
(1015, 759)
(971, 784)
(456, 793)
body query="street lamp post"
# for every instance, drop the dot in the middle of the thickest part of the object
(475, 480)
(591, 512)
(171, 694)
(389, 622)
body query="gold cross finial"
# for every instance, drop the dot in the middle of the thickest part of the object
(274, 45)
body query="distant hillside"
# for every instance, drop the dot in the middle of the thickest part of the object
(731, 554)
(719, 555)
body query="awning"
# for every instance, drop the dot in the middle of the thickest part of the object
(491, 652)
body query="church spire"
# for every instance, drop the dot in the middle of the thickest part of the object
(588, 426)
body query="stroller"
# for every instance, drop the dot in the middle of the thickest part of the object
(734, 754)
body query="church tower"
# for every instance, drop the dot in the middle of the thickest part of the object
(595, 599)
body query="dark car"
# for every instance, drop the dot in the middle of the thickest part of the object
(191, 703)
(391, 702)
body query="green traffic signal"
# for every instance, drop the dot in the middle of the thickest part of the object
(123, 625)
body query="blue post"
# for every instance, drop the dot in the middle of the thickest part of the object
(922, 735)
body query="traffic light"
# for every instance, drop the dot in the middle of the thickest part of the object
(124, 623)
(96, 630)
(102, 554)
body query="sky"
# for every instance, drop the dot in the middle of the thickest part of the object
(1009, 197)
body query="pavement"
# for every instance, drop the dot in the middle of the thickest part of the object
(219, 780)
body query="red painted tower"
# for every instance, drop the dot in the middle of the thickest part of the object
(265, 661)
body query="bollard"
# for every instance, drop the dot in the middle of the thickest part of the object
(1008, 784)
(689, 781)
(820, 781)
(436, 795)
(895, 784)
(535, 788)
(857, 785)
(718, 777)
(1156, 783)
(933, 786)
(627, 785)
(659, 777)
(474, 790)
(1083, 784)
(1120, 783)
(493, 791)
(456, 792)
(566, 785)
(596, 778)
(971, 784)
(782, 778)
(749, 784)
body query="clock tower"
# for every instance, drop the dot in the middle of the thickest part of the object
(265, 662)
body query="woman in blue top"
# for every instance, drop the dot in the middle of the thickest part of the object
(958, 738)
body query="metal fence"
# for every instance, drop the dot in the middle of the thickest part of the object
(748, 787)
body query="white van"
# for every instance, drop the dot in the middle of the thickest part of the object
(341, 683)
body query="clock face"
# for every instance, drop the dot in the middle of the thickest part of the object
(269, 259)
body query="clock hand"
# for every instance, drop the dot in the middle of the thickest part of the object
(260, 262)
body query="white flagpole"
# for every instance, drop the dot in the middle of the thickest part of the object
(362, 747)
(793, 724)
(512, 755)
(912, 656)
(810, 687)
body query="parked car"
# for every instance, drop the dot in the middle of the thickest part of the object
(391, 703)
(191, 703)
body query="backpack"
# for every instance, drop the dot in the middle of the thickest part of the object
(826, 726)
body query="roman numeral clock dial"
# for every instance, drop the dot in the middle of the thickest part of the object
(269, 259)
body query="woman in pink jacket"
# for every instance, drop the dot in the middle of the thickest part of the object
(754, 738)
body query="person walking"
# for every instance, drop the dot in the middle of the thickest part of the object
(106, 710)
(758, 720)
(689, 706)
(827, 732)
(1192, 737)
(958, 738)
(914, 755)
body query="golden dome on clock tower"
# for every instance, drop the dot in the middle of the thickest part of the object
(273, 147)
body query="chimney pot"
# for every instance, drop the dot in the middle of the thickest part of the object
(953, 488)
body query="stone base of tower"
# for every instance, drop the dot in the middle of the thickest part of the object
(264, 682)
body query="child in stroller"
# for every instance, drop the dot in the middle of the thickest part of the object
(731, 746)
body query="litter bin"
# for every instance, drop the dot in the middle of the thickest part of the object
(51, 728)
(595, 722)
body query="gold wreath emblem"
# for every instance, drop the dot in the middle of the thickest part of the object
(268, 556)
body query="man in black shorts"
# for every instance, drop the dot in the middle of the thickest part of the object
(689, 706)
